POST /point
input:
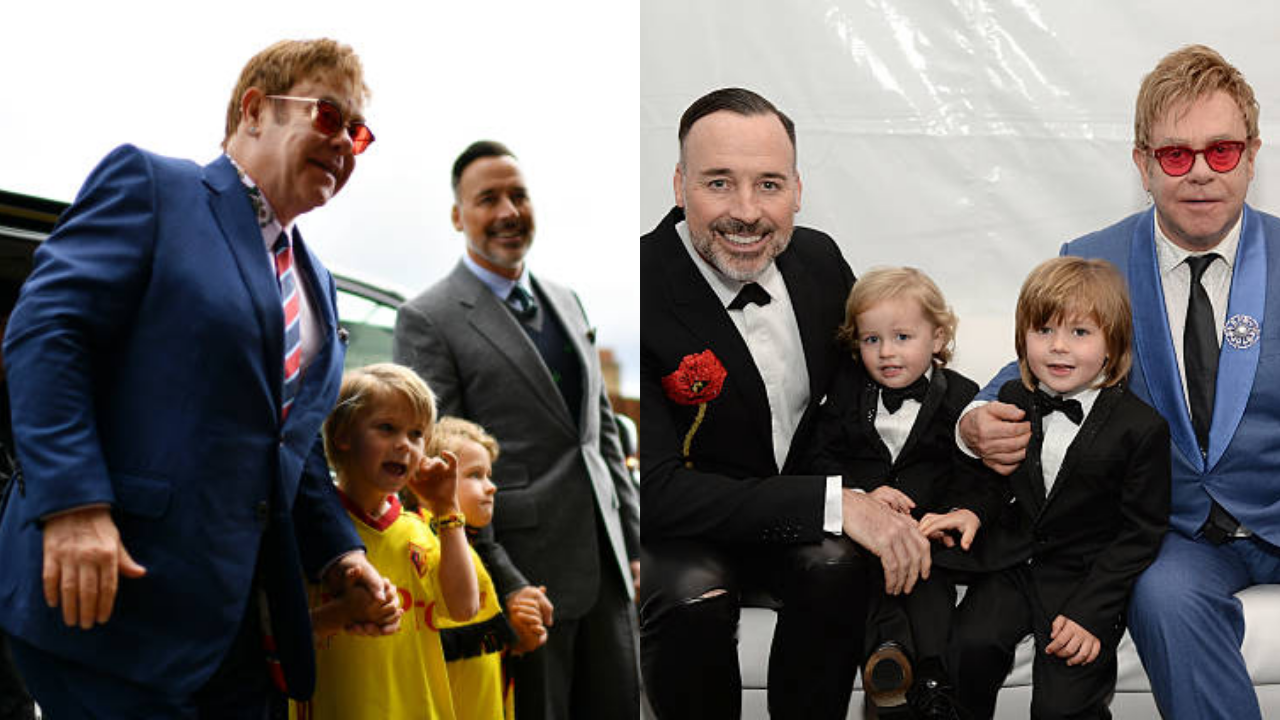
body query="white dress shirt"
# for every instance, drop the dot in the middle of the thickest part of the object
(894, 428)
(1059, 432)
(1175, 279)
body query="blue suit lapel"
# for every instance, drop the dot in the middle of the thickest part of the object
(1238, 365)
(235, 216)
(1153, 344)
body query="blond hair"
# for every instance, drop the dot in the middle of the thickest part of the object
(1186, 75)
(289, 62)
(888, 283)
(451, 432)
(368, 386)
(1065, 288)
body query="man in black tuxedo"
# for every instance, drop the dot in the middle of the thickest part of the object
(738, 317)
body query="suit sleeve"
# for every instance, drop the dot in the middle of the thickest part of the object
(419, 345)
(84, 292)
(615, 459)
(833, 449)
(321, 526)
(1099, 602)
(623, 485)
(992, 389)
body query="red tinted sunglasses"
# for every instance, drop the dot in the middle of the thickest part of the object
(326, 117)
(1222, 156)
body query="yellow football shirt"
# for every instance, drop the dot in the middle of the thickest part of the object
(477, 682)
(397, 676)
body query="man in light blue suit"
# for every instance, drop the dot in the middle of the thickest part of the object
(1199, 265)
(170, 362)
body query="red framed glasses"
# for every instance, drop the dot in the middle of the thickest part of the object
(326, 117)
(1176, 160)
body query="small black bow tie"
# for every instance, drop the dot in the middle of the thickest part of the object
(893, 397)
(1047, 403)
(750, 293)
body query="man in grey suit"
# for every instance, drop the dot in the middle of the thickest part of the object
(515, 354)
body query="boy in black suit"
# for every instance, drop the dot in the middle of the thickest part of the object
(1089, 505)
(887, 428)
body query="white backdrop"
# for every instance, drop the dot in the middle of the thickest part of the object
(969, 138)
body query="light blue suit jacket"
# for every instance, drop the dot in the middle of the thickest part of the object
(144, 363)
(1242, 468)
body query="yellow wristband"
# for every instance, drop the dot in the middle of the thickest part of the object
(452, 520)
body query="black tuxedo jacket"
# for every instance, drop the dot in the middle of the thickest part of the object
(930, 469)
(1102, 522)
(730, 489)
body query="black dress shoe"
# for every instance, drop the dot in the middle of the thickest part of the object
(934, 699)
(887, 676)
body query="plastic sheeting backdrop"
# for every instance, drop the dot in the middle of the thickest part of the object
(967, 138)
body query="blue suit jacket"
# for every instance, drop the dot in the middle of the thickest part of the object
(144, 362)
(1242, 467)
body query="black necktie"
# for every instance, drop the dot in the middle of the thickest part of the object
(522, 303)
(1047, 403)
(893, 397)
(1200, 350)
(750, 293)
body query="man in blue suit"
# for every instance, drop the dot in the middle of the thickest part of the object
(1198, 267)
(170, 362)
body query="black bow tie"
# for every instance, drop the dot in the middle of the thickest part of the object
(893, 397)
(750, 293)
(1047, 403)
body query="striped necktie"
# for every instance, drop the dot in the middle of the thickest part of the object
(288, 279)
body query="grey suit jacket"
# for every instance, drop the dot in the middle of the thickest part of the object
(554, 479)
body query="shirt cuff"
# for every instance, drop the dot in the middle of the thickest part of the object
(325, 570)
(833, 509)
(959, 440)
(68, 511)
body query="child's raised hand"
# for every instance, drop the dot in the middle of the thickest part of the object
(941, 527)
(894, 498)
(436, 483)
(1072, 642)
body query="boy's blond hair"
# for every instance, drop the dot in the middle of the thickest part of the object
(889, 283)
(366, 386)
(1064, 288)
(451, 432)
(1186, 75)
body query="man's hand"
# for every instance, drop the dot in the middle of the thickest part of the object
(359, 605)
(891, 536)
(940, 527)
(530, 612)
(354, 570)
(436, 483)
(525, 613)
(897, 500)
(635, 577)
(997, 433)
(1072, 642)
(83, 561)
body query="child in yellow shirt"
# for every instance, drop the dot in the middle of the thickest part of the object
(376, 440)
(474, 649)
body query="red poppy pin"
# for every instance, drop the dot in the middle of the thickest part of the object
(697, 381)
